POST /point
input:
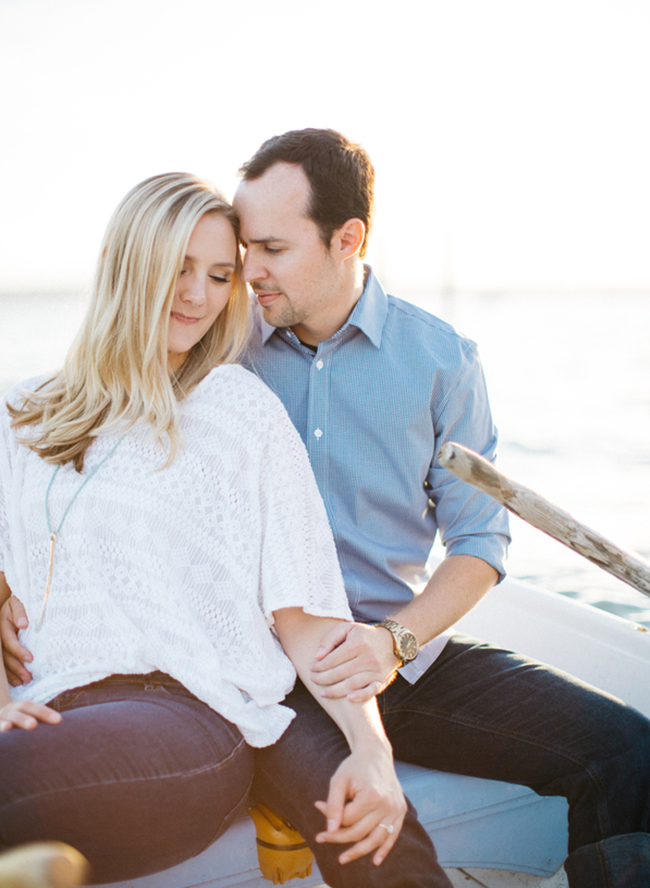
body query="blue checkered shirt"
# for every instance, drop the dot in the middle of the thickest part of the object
(374, 405)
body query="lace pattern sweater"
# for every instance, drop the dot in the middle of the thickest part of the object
(177, 569)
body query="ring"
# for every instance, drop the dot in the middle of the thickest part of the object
(389, 829)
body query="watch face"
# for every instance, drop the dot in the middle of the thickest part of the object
(408, 646)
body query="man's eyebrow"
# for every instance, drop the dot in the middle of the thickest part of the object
(263, 240)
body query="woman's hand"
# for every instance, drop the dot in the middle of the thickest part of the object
(365, 806)
(26, 715)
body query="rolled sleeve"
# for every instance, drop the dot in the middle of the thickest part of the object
(469, 521)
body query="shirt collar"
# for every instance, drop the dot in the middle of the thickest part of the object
(369, 314)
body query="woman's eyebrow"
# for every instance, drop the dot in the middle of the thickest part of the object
(226, 264)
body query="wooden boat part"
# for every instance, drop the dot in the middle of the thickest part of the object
(628, 566)
(43, 865)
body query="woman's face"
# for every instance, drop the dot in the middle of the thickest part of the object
(203, 286)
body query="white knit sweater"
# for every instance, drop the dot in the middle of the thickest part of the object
(181, 569)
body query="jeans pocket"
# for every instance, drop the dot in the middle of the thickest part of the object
(67, 699)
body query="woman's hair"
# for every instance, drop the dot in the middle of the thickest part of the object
(116, 371)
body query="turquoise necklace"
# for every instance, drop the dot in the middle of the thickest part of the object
(54, 533)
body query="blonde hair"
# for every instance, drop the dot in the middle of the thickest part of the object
(116, 372)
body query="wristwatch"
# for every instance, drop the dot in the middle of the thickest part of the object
(405, 644)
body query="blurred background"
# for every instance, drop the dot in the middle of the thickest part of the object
(511, 143)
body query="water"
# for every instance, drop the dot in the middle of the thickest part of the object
(569, 382)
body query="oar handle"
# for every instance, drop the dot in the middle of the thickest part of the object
(533, 508)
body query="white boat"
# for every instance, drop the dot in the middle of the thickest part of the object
(487, 833)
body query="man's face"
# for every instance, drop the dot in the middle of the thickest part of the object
(294, 275)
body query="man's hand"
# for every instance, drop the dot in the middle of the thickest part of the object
(365, 806)
(12, 618)
(354, 660)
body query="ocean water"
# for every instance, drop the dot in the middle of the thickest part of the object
(569, 383)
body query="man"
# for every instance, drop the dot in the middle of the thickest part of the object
(375, 386)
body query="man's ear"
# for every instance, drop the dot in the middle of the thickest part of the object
(348, 239)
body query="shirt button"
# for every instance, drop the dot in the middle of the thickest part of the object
(318, 433)
(319, 365)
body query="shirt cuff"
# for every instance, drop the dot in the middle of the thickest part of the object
(490, 549)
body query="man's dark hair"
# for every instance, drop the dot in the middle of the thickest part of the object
(340, 174)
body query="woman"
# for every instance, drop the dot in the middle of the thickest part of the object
(160, 522)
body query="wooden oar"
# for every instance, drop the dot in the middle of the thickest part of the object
(533, 508)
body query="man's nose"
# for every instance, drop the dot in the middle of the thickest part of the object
(253, 269)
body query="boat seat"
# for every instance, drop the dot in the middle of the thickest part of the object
(472, 822)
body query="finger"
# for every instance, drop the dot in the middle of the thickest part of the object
(391, 838)
(332, 640)
(18, 612)
(331, 823)
(379, 838)
(27, 716)
(366, 811)
(15, 681)
(360, 849)
(336, 660)
(334, 807)
(361, 814)
(12, 614)
(334, 692)
(17, 673)
(10, 641)
(349, 658)
(382, 852)
(353, 672)
(367, 685)
(42, 713)
(356, 652)
(356, 832)
(361, 695)
(20, 719)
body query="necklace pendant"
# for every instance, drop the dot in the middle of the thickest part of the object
(41, 618)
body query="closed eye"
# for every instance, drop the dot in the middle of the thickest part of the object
(219, 279)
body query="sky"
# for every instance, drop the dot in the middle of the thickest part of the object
(511, 138)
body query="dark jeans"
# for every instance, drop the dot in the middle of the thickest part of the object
(490, 713)
(139, 775)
